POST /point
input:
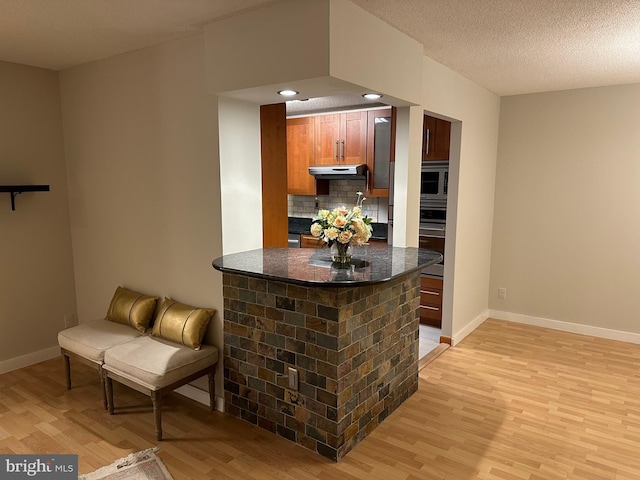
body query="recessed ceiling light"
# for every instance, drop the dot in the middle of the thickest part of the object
(288, 93)
(372, 96)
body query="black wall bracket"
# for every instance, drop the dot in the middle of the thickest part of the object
(14, 190)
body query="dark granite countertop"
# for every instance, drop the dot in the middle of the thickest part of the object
(300, 226)
(312, 266)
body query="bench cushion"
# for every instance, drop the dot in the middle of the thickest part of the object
(155, 363)
(91, 339)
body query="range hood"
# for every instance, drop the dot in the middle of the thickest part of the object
(338, 172)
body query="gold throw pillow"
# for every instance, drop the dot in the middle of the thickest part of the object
(181, 323)
(131, 308)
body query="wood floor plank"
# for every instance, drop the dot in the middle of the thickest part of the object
(510, 402)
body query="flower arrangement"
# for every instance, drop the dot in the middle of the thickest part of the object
(343, 226)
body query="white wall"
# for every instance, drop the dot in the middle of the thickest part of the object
(240, 175)
(144, 189)
(476, 113)
(367, 51)
(285, 41)
(406, 191)
(36, 266)
(567, 219)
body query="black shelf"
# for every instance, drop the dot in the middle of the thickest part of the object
(17, 189)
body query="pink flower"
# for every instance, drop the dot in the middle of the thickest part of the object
(345, 236)
(340, 222)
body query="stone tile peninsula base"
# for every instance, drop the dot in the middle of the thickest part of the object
(354, 348)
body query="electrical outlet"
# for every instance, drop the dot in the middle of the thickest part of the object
(293, 379)
(502, 293)
(70, 320)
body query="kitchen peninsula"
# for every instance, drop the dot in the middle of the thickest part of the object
(317, 354)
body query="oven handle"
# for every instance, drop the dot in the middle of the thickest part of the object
(431, 232)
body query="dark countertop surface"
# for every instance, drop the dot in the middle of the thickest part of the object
(312, 266)
(300, 226)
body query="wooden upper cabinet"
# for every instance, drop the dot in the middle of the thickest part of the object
(300, 143)
(350, 138)
(353, 138)
(436, 136)
(341, 138)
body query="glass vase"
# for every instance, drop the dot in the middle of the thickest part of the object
(341, 253)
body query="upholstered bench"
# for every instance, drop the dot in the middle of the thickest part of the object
(88, 342)
(172, 356)
(127, 318)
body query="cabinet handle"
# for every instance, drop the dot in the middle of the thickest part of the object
(428, 137)
(430, 293)
(342, 149)
(429, 308)
(335, 150)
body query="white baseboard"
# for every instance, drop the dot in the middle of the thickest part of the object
(194, 393)
(29, 359)
(470, 327)
(566, 326)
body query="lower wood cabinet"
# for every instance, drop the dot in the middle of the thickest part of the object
(309, 241)
(431, 301)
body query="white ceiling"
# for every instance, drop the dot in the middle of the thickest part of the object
(507, 46)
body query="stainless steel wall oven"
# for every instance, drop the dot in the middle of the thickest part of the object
(433, 224)
(434, 181)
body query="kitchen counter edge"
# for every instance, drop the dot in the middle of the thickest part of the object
(313, 267)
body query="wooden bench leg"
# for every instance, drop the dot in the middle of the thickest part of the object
(104, 388)
(67, 370)
(212, 388)
(156, 399)
(108, 392)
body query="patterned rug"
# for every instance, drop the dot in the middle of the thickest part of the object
(144, 465)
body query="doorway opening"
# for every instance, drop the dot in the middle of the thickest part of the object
(438, 190)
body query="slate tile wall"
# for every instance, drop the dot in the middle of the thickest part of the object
(355, 349)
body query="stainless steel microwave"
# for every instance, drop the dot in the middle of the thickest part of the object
(434, 181)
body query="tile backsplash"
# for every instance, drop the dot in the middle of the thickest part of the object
(341, 193)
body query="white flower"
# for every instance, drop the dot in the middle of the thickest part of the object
(331, 233)
(362, 232)
(316, 229)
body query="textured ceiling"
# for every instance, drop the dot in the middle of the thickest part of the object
(523, 46)
(507, 46)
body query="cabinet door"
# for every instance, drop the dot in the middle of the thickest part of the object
(300, 156)
(380, 151)
(327, 139)
(309, 241)
(353, 138)
(436, 137)
(431, 301)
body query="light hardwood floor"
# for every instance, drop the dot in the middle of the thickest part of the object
(509, 402)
